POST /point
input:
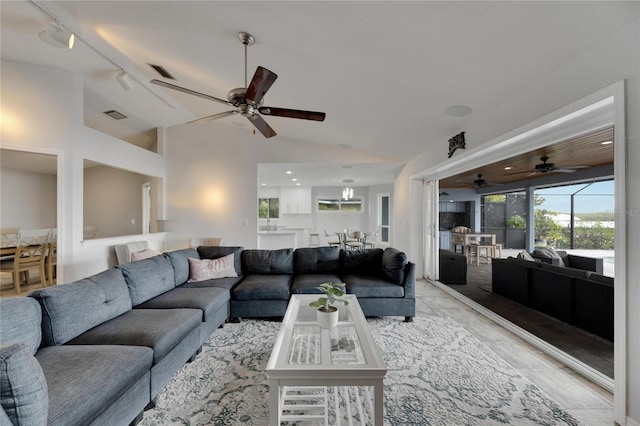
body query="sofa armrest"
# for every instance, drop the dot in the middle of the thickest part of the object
(410, 281)
(587, 263)
(550, 260)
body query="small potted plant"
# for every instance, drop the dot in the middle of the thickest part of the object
(327, 313)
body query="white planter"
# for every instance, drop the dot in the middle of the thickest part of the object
(328, 319)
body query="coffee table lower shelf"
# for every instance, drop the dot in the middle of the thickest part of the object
(326, 405)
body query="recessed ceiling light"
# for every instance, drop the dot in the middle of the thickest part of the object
(298, 184)
(263, 184)
(606, 143)
(288, 172)
(508, 168)
(458, 111)
(294, 180)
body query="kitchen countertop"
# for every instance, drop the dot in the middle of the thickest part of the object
(276, 233)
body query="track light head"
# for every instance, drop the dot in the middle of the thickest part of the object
(57, 36)
(125, 80)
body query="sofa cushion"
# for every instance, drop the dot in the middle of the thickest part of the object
(316, 260)
(308, 283)
(367, 262)
(20, 320)
(23, 387)
(208, 299)
(263, 287)
(69, 310)
(372, 287)
(148, 278)
(215, 252)
(180, 262)
(103, 372)
(208, 269)
(158, 329)
(393, 263)
(266, 262)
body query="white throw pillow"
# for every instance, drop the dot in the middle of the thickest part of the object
(144, 254)
(548, 252)
(208, 269)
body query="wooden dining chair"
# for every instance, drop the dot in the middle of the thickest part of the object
(27, 258)
(51, 262)
(8, 242)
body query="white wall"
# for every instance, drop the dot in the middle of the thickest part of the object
(42, 112)
(613, 59)
(29, 199)
(212, 172)
(112, 200)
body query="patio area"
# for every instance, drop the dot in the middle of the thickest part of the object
(586, 347)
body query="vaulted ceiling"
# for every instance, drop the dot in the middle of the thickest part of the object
(384, 72)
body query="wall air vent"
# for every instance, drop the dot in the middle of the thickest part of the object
(115, 114)
(162, 71)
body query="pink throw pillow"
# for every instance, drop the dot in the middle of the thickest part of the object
(208, 269)
(144, 254)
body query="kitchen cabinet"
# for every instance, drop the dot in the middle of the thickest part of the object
(452, 206)
(295, 200)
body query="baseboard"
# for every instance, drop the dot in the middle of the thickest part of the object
(578, 366)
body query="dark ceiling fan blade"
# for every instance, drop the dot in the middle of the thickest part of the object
(213, 117)
(262, 125)
(260, 83)
(189, 91)
(293, 113)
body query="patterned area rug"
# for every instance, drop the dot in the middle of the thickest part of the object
(439, 374)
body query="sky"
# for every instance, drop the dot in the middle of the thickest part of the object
(590, 197)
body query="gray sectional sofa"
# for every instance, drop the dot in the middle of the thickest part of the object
(99, 350)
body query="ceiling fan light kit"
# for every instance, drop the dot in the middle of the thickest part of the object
(249, 100)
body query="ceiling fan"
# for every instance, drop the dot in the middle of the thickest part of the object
(479, 182)
(545, 167)
(248, 100)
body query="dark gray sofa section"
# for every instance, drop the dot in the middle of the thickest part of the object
(579, 297)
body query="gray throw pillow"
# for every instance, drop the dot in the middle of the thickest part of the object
(524, 255)
(23, 388)
(548, 252)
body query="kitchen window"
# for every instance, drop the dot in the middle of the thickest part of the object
(330, 204)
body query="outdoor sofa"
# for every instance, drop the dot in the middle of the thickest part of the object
(580, 297)
(99, 350)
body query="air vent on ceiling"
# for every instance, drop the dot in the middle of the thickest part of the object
(115, 114)
(162, 71)
(347, 180)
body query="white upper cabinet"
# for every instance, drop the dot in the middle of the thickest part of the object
(295, 200)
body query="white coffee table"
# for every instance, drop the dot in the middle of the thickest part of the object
(307, 359)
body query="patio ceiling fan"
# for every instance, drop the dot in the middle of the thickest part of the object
(248, 100)
(479, 182)
(545, 167)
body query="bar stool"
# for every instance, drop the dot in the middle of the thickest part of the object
(488, 251)
(314, 240)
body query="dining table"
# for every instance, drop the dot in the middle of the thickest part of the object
(466, 240)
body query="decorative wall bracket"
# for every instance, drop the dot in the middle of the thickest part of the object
(456, 142)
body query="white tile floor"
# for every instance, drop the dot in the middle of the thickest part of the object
(586, 401)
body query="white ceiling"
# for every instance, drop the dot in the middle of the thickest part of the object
(315, 174)
(384, 72)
